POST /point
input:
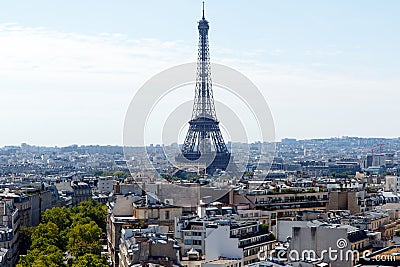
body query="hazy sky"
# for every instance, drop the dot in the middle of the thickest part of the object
(69, 69)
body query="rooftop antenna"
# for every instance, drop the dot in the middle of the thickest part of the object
(203, 9)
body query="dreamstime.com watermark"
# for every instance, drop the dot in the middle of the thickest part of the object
(339, 253)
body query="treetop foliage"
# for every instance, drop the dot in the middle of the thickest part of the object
(73, 233)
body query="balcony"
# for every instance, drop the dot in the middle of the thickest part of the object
(259, 239)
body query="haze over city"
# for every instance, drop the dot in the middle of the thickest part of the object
(69, 70)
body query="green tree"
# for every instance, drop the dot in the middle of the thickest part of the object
(46, 256)
(84, 239)
(46, 235)
(26, 260)
(120, 174)
(52, 256)
(90, 260)
(60, 216)
(93, 210)
(80, 220)
(76, 230)
(248, 174)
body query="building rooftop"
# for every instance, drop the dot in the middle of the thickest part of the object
(222, 261)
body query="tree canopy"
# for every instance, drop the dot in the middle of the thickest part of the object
(66, 232)
(90, 260)
(84, 239)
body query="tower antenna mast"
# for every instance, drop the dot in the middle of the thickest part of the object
(203, 10)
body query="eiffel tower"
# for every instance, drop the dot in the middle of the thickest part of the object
(204, 143)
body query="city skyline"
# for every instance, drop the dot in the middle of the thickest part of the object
(199, 134)
(325, 69)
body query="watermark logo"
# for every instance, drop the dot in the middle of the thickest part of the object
(341, 243)
(331, 254)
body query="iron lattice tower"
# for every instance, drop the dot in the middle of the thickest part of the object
(204, 138)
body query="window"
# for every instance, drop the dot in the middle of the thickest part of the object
(196, 242)
(167, 215)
